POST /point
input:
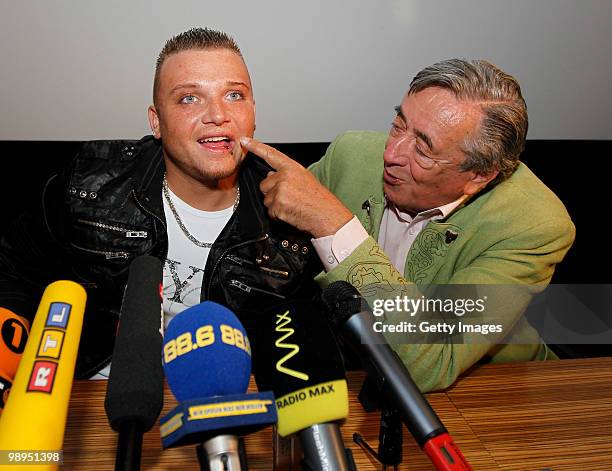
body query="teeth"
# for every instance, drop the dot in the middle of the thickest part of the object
(214, 139)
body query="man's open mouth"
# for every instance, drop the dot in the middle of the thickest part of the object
(217, 143)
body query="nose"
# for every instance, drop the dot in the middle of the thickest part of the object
(396, 151)
(215, 112)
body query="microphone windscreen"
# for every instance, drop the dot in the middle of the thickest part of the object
(295, 354)
(135, 385)
(13, 337)
(341, 301)
(206, 353)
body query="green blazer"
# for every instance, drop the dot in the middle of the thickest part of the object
(512, 235)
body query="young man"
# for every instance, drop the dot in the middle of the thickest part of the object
(441, 200)
(186, 195)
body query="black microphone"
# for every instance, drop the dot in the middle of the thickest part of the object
(351, 315)
(296, 356)
(134, 396)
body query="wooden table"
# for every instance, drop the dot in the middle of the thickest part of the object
(527, 416)
(532, 416)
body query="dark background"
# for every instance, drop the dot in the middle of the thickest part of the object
(577, 171)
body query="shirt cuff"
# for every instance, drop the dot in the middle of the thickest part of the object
(335, 248)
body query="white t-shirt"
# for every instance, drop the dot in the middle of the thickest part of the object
(184, 265)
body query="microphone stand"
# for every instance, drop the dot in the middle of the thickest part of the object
(389, 440)
(222, 453)
(129, 447)
(323, 442)
(390, 436)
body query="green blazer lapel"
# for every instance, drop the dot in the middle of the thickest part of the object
(429, 251)
(371, 214)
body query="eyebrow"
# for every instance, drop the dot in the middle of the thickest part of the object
(425, 138)
(237, 84)
(420, 134)
(398, 110)
(229, 83)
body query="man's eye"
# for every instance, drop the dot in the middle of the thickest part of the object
(423, 160)
(421, 153)
(395, 128)
(189, 99)
(234, 96)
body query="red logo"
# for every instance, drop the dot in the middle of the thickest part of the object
(5, 386)
(43, 375)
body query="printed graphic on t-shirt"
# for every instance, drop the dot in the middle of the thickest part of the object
(182, 287)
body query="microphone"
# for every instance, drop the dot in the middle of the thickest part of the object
(34, 416)
(351, 315)
(207, 361)
(13, 337)
(134, 394)
(296, 355)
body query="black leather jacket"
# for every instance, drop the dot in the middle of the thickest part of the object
(106, 209)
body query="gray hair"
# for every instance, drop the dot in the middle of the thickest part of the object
(500, 139)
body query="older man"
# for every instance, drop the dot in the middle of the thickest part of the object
(441, 200)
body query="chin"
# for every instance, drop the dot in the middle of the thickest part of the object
(391, 193)
(400, 203)
(217, 173)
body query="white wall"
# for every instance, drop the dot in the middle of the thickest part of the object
(76, 69)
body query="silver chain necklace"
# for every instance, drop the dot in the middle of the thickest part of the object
(179, 221)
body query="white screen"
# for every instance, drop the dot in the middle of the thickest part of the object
(77, 70)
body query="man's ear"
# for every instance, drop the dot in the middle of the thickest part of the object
(478, 182)
(154, 121)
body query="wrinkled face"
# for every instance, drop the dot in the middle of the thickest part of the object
(204, 104)
(423, 152)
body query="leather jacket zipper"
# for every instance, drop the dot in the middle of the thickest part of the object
(128, 233)
(108, 255)
(271, 271)
(247, 289)
(274, 271)
(224, 253)
(151, 213)
(240, 261)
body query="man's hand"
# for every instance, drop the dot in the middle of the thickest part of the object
(294, 195)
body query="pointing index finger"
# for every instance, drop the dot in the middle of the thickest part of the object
(276, 159)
